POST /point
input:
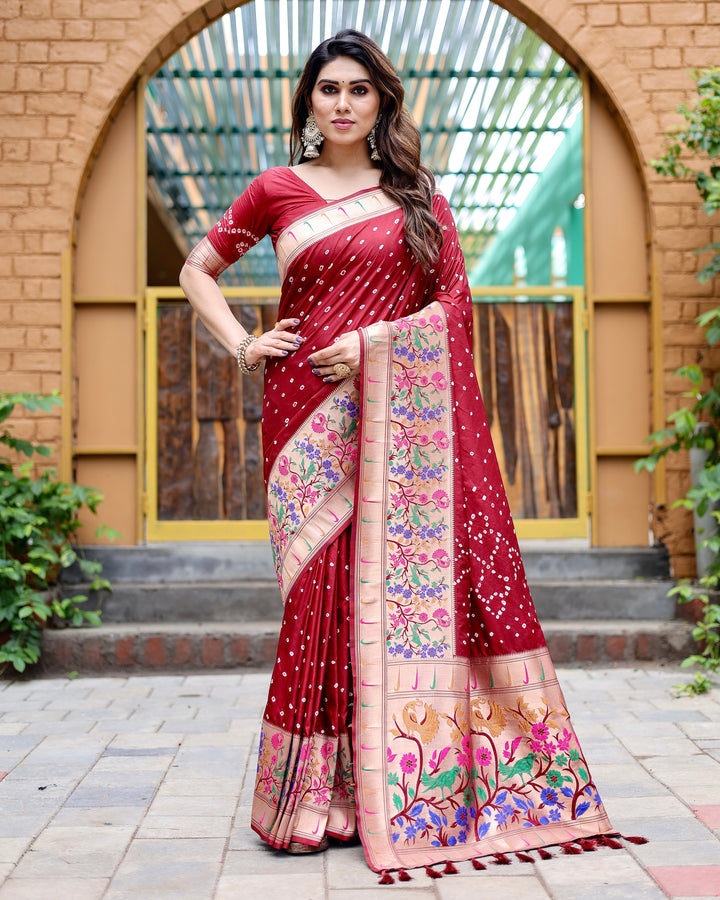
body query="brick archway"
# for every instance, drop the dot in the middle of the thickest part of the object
(580, 33)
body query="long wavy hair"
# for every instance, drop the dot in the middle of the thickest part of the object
(403, 177)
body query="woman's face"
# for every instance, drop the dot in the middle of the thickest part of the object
(345, 102)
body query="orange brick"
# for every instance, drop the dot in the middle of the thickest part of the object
(17, 382)
(111, 9)
(634, 14)
(34, 51)
(10, 288)
(44, 151)
(28, 173)
(667, 57)
(78, 79)
(54, 103)
(37, 9)
(66, 9)
(685, 13)
(16, 151)
(36, 312)
(51, 381)
(43, 339)
(32, 30)
(78, 30)
(35, 361)
(36, 265)
(5, 361)
(21, 126)
(706, 37)
(603, 14)
(12, 337)
(57, 126)
(78, 51)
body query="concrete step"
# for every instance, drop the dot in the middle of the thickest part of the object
(602, 599)
(247, 601)
(187, 646)
(226, 561)
(198, 601)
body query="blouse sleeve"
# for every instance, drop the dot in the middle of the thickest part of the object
(246, 222)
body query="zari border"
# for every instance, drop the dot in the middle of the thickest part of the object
(324, 521)
(302, 233)
(390, 691)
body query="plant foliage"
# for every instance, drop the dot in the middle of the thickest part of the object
(697, 425)
(38, 521)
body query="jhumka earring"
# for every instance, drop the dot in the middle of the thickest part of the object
(311, 138)
(374, 155)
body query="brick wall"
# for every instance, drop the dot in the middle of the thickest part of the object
(65, 65)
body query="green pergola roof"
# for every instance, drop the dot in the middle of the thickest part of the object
(492, 101)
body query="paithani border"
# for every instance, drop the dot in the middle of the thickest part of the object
(381, 684)
(324, 522)
(304, 232)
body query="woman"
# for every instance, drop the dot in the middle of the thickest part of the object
(413, 700)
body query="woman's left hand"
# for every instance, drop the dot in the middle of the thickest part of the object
(345, 349)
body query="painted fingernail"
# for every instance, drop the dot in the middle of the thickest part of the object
(296, 321)
(327, 379)
(285, 353)
(315, 371)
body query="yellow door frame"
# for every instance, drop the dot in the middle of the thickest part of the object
(233, 530)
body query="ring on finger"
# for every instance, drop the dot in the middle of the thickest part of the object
(342, 370)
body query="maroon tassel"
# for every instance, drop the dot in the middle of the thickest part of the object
(449, 869)
(478, 865)
(432, 873)
(501, 859)
(386, 878)
(634, 840)
(523, 857)
(403, 876)
(569, 850)
(607, 841)
(588, 844)
(544, 853)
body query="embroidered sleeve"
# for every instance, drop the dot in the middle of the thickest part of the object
(205, 257)
(241, 227)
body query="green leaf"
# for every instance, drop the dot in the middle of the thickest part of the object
(397, 800)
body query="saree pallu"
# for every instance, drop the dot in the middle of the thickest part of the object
(413, 695)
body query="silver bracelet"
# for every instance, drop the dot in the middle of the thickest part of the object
(240, 351)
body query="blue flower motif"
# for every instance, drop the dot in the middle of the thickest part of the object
(461, 815)
(549, 797)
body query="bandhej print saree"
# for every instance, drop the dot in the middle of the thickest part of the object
(413, 699)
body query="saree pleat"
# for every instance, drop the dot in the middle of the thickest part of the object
(305, 786)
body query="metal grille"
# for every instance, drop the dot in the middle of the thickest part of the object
(492, 100)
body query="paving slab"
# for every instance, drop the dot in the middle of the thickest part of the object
(140, 787)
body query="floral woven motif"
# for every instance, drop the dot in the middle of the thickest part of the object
(303, 776)
(489, 767)
(419, 567)
(318, 461)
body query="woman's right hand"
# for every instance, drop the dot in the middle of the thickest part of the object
(276, 342)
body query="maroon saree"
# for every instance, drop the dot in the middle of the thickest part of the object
(413, 698)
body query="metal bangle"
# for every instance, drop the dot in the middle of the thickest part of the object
(240, 355)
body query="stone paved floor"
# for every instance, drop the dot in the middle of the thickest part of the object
(140, 787)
